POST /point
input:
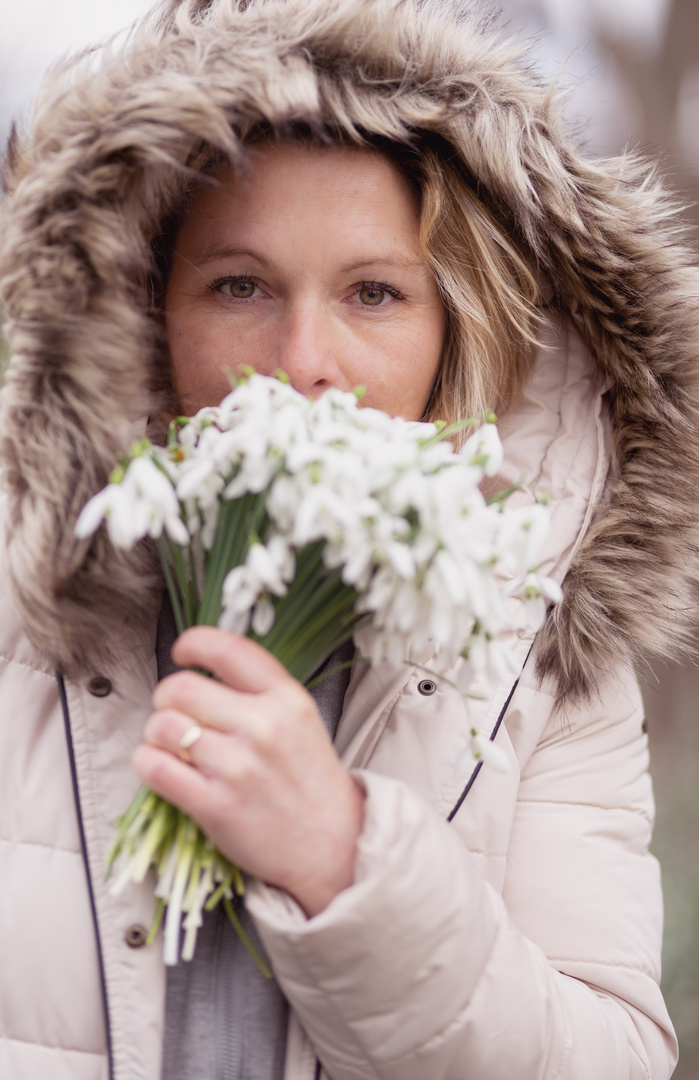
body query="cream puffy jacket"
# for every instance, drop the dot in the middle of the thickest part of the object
(518, 940)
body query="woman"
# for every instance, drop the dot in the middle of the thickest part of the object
(352, 192)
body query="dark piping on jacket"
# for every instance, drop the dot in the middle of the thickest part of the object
(83, 846)
(498, 722)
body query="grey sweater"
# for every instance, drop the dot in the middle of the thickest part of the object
(223, 1019)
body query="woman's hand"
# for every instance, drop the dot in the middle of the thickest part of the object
(264, 781)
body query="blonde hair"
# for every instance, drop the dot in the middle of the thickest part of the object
(490, 293)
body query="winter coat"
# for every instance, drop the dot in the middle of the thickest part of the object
(499, 924)
(519, 939)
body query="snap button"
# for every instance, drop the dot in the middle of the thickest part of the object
(99, 686)
(426, 687)
(136, 936)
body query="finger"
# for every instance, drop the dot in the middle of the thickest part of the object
(213, 705)
(166, 728)
(180, 784)
(208, 702)
(235, 660)
(211, 752)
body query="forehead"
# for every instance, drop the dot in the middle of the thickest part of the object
(287, 186)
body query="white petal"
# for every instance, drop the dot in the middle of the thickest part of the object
(552, 590)
(263, 616)
(465, 764)
(485, 750)
(401, 559)
(262, 567)
(238, 622)
(93, 513)
(177, 530)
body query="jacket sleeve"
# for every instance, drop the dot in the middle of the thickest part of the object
(422, 971)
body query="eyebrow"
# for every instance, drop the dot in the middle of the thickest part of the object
(208, 254)
(386, 260)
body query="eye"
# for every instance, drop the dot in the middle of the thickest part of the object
(239, 288)
(371, 295)
(375, 294)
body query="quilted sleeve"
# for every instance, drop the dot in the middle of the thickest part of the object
(422, 971)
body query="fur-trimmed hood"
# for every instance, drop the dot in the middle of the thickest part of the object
(106, 158)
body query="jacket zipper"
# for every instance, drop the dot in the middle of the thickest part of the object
(229, 1005)
(91, 892)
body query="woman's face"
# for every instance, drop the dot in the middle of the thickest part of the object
(309, 264)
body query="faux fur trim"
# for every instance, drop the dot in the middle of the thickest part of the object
(107, 155)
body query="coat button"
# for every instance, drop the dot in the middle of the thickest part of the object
(99, 686)
(136, 936)
(426, 687)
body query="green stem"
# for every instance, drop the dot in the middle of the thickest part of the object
(193, 574)
(219, 893)
(303, 652)
(151, 841)
(157, 920)
(335, 602)
(185, 584)
(289, 609)
(171, 587)
(503, 495)
(451, 429)
(301, 604)
(239, 519)
(238, 927)
(327, 672)
(225, 533)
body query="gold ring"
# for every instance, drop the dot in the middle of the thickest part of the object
(190, 737)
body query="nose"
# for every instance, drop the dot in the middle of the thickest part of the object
(306, 350)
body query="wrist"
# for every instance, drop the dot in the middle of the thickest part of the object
(334, 857)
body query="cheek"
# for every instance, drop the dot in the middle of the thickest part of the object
(193, 361)
(435, 333)
(203, 350)
(400, 373)
(399, 365)
(422, 358)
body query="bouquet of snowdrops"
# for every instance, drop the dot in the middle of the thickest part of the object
(301, 524)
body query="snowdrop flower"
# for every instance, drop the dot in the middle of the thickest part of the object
(535, 592)
(142, 503)
(522, 534)
(200, 481)
(481, 749)
(209, 524)
(239, 598)
(272, 566)
(246, 588)
(94, 512)
(320, 487)
(485, 653)
(262, 619)
(484, 449)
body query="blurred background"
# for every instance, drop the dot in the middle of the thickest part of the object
(633, 71)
